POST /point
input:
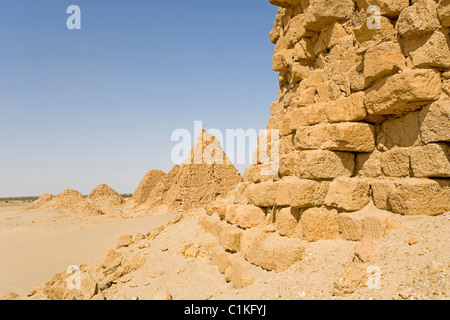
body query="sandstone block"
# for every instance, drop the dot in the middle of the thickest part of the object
(241, 273)
(322, 12)
(317, 164)
(347, 136)
(383, 59)
(396, 162)
(429, 51)
(419, 197)
(346, 109)
(211, 224)
(230, 237)
(259, 173)
(245, 216)
(125, 241)
(357, 226)
(401, 132)
(286, 221)
(262, 194)
(270, 251)
(388, 8)
(418, 19)
(435, 122)
(444, 12)
(369, 164)
(406, 91)
(282, 60)
(319, 224)
(349, 194)
(300, 193)
(431, 161)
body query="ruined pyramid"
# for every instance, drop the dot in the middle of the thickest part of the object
(148, 183)
(206, 174)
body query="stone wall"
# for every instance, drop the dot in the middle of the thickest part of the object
(364, 122)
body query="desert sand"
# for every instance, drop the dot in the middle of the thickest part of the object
(36, 244)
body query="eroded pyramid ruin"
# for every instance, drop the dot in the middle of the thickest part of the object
(363, 117)
(206, 175)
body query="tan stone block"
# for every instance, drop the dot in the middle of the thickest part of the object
(258, 173)
(319, 224)
(364, 225)
(223, 261)
(282, 60)
(300, 193)
(371, 37)
(241, 273)
(429, 51)
(270, 251)
(431, 161)
(435, 122)
(211, 224)
(401, 132)
(346, 109)
(286, 221)
(369, 164)
(349, 194)
(396, 162)
(388, 8)
(418, 19)
(323, 12)
(406, 91)
(444, 12)
(329, 37)
(383, 59)
(262, 194)
(245, 216)
(230, 237)
(318, 164)
(419, 197)
(125, 241)
(347, 136)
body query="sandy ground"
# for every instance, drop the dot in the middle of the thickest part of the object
(35, 244)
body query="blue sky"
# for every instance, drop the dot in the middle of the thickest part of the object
(98, 105)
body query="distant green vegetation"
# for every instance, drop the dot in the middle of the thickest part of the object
(17, 199)
(126, 195)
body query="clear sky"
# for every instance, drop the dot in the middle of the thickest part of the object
(98, 105)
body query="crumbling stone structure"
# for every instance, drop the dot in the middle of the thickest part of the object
(364, 121)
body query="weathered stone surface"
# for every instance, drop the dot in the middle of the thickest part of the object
(319, 224)
(366, 251)
(285, 3)
(429, 51)
(368, 164)
(259, 173)
(125, 241)
(444, 12)
(262, 194)
(212, 225)
(418, 19)
(245, 216)
(354, 275)
(406, 91)
(300, 193)
(241, 273)
(383, 59)
(282, 60)
(286, 221)
(322, 12)
(317, 164)
(347, 136)
(349, 194)
(401, 132)
(371, 37)
(230, 237)
(346, 109)
(435, 122)
(329, 37)
(270, 251)
(300, 117)
(411, 196)
(388, 8)
(363, 225)
(396, 162)
(431, 161)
